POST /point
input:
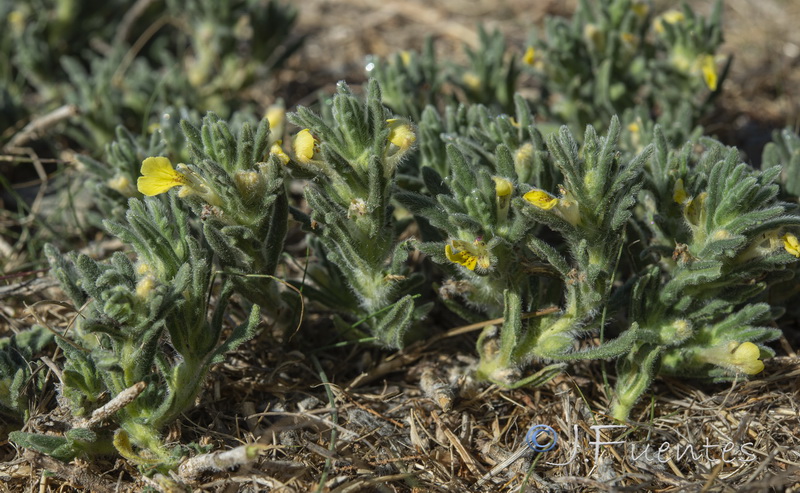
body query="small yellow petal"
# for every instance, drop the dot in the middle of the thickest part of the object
(145, 286)
(401, 134)
(709, 71)
(158, 176)
(304, 146)
(277, 151)
(474, 256)
(530, 56)
(122, 184)
(502, 187)
(673, 16)
(746, 357)
(460, 257)
(670, 17)
(471, 80)
(791, 244)
(541, 199)
(275, 115)
(405, 57)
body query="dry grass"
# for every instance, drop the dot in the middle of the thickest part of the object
(354, 418)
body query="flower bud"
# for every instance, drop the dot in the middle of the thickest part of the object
(305, 146)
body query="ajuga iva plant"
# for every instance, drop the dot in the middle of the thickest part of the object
(18, 376)
(351, 164)
(491, 221)
(138, 356)
(42, 33)
(490, 78)
(718, 236)
(614, 56)
(231, 46)
(478, 133)
(410, 81)
(235, 186)
(113, 177)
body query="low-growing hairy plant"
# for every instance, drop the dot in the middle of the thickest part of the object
(235, 186)
(18, 378)
(610, 58)
(351, 163)
(717, 237)
(491, 222)
(588, 214)
(139, 358)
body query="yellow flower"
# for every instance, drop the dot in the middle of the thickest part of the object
(523, 161)
(472, 81)
(745, 358)
(791, 244)
(122, 184)
(16, 19)
(568, 207)
(401, 134)
(541, 199)
(145, 286)
(641, 9)
(502, 187)
(158, 176)
(737, 357)
(277, 151)
(595, 37)
(709, 70)
(304, 146)
(633, 128)
(275, 116)
(529, 56)
(670, 17)
(694, 209)
(474, 256)
(405, 58)
(679, 194)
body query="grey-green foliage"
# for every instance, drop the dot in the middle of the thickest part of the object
(85, 54)
(717, 237)
(19, 377)
(230, 45)
(784, 151)
(487, 209)
(350, 194)
(490, 78)
(668, 249)
(245, 211)
(461, 155)
(479, 131)
(410, 81)
(146, 320)
(44, 31)
(608, 58)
